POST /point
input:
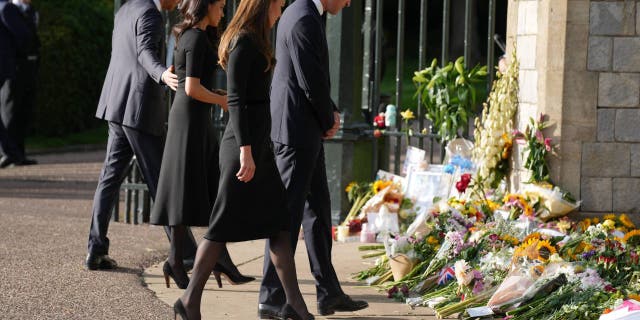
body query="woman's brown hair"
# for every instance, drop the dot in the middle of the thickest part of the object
(192, 12)
(252, 17)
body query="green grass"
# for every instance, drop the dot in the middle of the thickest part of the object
(388, 83)
(93, 136)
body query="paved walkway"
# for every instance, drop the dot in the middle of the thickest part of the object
(44, 221)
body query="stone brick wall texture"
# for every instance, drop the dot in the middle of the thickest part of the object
(610, 171)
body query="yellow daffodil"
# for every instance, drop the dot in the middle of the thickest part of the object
(563, 226)
(407, 115)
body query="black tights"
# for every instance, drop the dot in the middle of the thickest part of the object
(209, 252)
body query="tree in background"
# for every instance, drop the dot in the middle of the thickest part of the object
(76, 46)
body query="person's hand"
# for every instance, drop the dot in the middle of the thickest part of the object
(223, 104)
(170, 78)
(247, 166)
(336, 125)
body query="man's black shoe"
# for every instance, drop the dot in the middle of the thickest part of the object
(266, 311)
(102, 262)
(6, 162)
(27, 162)
(341, 303)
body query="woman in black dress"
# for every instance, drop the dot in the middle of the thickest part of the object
(251, 196)
(189, 174)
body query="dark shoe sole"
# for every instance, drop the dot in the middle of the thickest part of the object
(328, 312)
(270, 313)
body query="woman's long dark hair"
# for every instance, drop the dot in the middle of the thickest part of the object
(252, 17)
(192, 12)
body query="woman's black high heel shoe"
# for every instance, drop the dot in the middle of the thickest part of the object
(288, 313)
(234, 277)
(178, 309)
(168, 272)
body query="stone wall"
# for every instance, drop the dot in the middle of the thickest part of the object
(580, 64)
(610, 166)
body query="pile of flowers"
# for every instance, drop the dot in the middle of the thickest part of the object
(490, 252)
(473, 256)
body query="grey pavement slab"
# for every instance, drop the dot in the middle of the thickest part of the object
(44, 222)
(240, 302)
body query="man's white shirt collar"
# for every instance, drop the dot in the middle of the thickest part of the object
(319, 6)
(157, 2)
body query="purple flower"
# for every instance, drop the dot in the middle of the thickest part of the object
(478, 287)
(539, 136)
(493, 237)
(587, 255)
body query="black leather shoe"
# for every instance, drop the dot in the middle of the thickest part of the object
(288, 313)
(266, 311)
(341, 303)
(27, 162)
(100, 262)
(6, 162)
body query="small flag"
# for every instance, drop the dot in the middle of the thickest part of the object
(446, 274)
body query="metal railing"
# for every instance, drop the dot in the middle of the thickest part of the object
(372, 101)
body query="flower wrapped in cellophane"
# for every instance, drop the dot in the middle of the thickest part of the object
(528, 264)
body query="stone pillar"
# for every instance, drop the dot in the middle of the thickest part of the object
(580, 64)
(538, 29)
(348, 156)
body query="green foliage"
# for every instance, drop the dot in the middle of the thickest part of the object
(450, 95)
(537, 147)
(76, 46)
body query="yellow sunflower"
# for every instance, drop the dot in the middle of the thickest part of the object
(626, 221)
(534, 235)
(630, 237)
(634, 296)
(609, 216)
(545, 250)
(537, 270)
(350, 186)
(380, 185)
(510, 239)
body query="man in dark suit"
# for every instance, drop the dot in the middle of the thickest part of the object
(18, 94)
(303, 114)
(133, 101)
(14, 35)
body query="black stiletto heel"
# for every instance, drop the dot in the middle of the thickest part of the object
(233, 277)
(168, 272)
(178, 309)
(216, 274)
(288, 313)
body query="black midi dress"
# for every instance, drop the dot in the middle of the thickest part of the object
(255, 209)
(189, 174)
